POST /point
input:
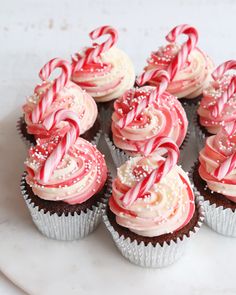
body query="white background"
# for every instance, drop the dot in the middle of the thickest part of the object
(32, 32)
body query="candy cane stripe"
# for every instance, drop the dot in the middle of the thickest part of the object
(156, 175)
(58, 84)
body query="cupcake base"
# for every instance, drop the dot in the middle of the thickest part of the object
(201, 133)
(190, 106)
(61, 221)
(220, 212)
(92, 135)
(153, 252)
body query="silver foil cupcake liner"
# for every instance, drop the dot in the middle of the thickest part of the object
(151, 256)
(66, 227)
(119, 157)
(221, 220)
(28, 143)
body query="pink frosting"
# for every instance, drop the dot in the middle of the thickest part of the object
(210, 97)
(72, 97)
(81, 173)
(165, 208)
(218, 149)
(166, 117)
(194, 76)
(109, 77)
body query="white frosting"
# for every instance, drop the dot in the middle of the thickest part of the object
(112, 84)
(166, 206)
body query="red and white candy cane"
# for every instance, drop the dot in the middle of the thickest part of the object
(218, 75)
(230, 163)
(65, 143)
(58, 84)
(93, 53)
(163, 77)
(156, 175)
(186, 48)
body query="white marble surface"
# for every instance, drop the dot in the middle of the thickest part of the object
(31, 32)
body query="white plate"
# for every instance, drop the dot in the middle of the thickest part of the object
(93, 265)
(32, 32)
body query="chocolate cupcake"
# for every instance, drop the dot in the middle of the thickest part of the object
(104, 71)
(61, 93)
(214, 180)
(67, 195)
(188, 66)
(164, 116)
(152, 211)
(218, 105)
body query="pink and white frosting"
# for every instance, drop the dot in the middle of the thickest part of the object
(81, 173)
(107, 78)
(71, 97)
(165, 208)
(218, 162)
(164, 117)
(193, 76)
(211, 96)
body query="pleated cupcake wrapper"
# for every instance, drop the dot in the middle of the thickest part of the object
(28, 143)
(199, 134)
(66, 227)
(157, 256)
(119, 157)
(220, 219)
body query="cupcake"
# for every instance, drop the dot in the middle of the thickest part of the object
(51, 96)
(218, 105)
(152, 212)
(214, 178)
(103, 70)
(156, 116)
(65, 185)
(188, 66)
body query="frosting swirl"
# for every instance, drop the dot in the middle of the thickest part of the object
(166, 207)
(217, 154)
(165, 117)
(81, 173)
(211, 95)
(107, 78)
(193, 77)
(71, 97)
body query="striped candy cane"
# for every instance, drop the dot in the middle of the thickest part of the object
(230, 163)
(156, 175)
(163, 77)
(65, 143)
(186, 48)
(58, 84)
(218, 75)
(91, 54)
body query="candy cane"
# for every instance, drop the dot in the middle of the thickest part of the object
(58, 84)
(181, 57)
(231, 89)
(225, 167)
(230, 163)
(163, 77)
(230, 128)
(156, 175)
(65, 143)
(92, 53)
